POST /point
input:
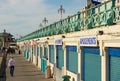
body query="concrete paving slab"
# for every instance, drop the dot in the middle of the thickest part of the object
(24, 70)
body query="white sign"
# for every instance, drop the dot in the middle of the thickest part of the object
(58, 41)
(88, 41)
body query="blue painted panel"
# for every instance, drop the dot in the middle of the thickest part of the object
(51, 54)
(60, 57)
(51, 46)
(91, 50)
(43, 65)
(46, 51)
(114, 51)
(72, 59)
(59, 47)
(71, 48)
(114, 64)
(91, 64)
(27, 55)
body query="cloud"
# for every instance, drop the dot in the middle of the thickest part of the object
(24, 16)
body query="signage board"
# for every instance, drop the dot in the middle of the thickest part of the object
(58, 41)
(88, 41)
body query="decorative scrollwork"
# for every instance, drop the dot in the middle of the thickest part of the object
(97, 19)
(104, 16)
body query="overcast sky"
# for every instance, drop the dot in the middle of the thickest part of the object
(21, 17)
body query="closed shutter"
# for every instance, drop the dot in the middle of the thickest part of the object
(29, 48)
(27, 55)
(41, 52)
(91, 64)
(60, 57)
(51, 54)
(72, 59)
(43, 65)
(114, 64)
(46, 52)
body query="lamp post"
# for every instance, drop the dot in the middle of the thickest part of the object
(61, 10)
(40, 25)
(45, 21)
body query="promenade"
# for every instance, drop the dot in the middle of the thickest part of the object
(24, 70)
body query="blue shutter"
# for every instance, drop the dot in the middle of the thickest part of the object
(46, 52)
(114, 64)
(27, 55)
(91, 64)
(41, 52)
(51, 54)
(29, 48)
(60, 57)
(43, 65)
(72, 59)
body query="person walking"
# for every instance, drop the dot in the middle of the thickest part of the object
(11, 65)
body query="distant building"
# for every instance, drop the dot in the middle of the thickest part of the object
(6, 39)
(92, 3)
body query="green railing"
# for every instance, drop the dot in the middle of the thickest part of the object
(104, 14)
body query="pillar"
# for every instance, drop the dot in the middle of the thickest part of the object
(104, 62)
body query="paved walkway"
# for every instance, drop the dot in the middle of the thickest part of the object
(24, 70)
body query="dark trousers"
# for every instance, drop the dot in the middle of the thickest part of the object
(11, 70)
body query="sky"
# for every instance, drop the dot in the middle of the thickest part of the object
(21, 17)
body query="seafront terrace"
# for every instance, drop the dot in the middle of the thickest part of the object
(24, 70)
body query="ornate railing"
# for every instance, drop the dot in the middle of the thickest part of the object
(107, 13)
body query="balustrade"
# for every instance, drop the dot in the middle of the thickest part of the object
(104, 14)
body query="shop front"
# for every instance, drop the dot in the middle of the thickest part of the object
(91, 59)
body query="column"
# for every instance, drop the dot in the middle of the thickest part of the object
(104, 62)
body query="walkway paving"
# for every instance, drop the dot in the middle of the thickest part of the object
(25, 71)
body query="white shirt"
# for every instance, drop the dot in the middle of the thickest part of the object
(11, 62)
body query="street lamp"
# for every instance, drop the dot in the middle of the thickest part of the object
(45, 21)
(61, 10)
(40, 25)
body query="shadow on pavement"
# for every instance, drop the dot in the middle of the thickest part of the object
(3, 68)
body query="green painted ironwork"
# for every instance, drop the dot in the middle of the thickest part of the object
(104, 14)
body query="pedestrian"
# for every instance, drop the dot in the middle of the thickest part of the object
(11, 65)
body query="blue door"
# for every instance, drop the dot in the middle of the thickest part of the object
(51, 54)
(114, 64)
(43, 65)
(72, 59)
(41, 52)
(91, 64)
(60, 57)
(59, 62)
(46, 52)
(27, 55)
(41, 55)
